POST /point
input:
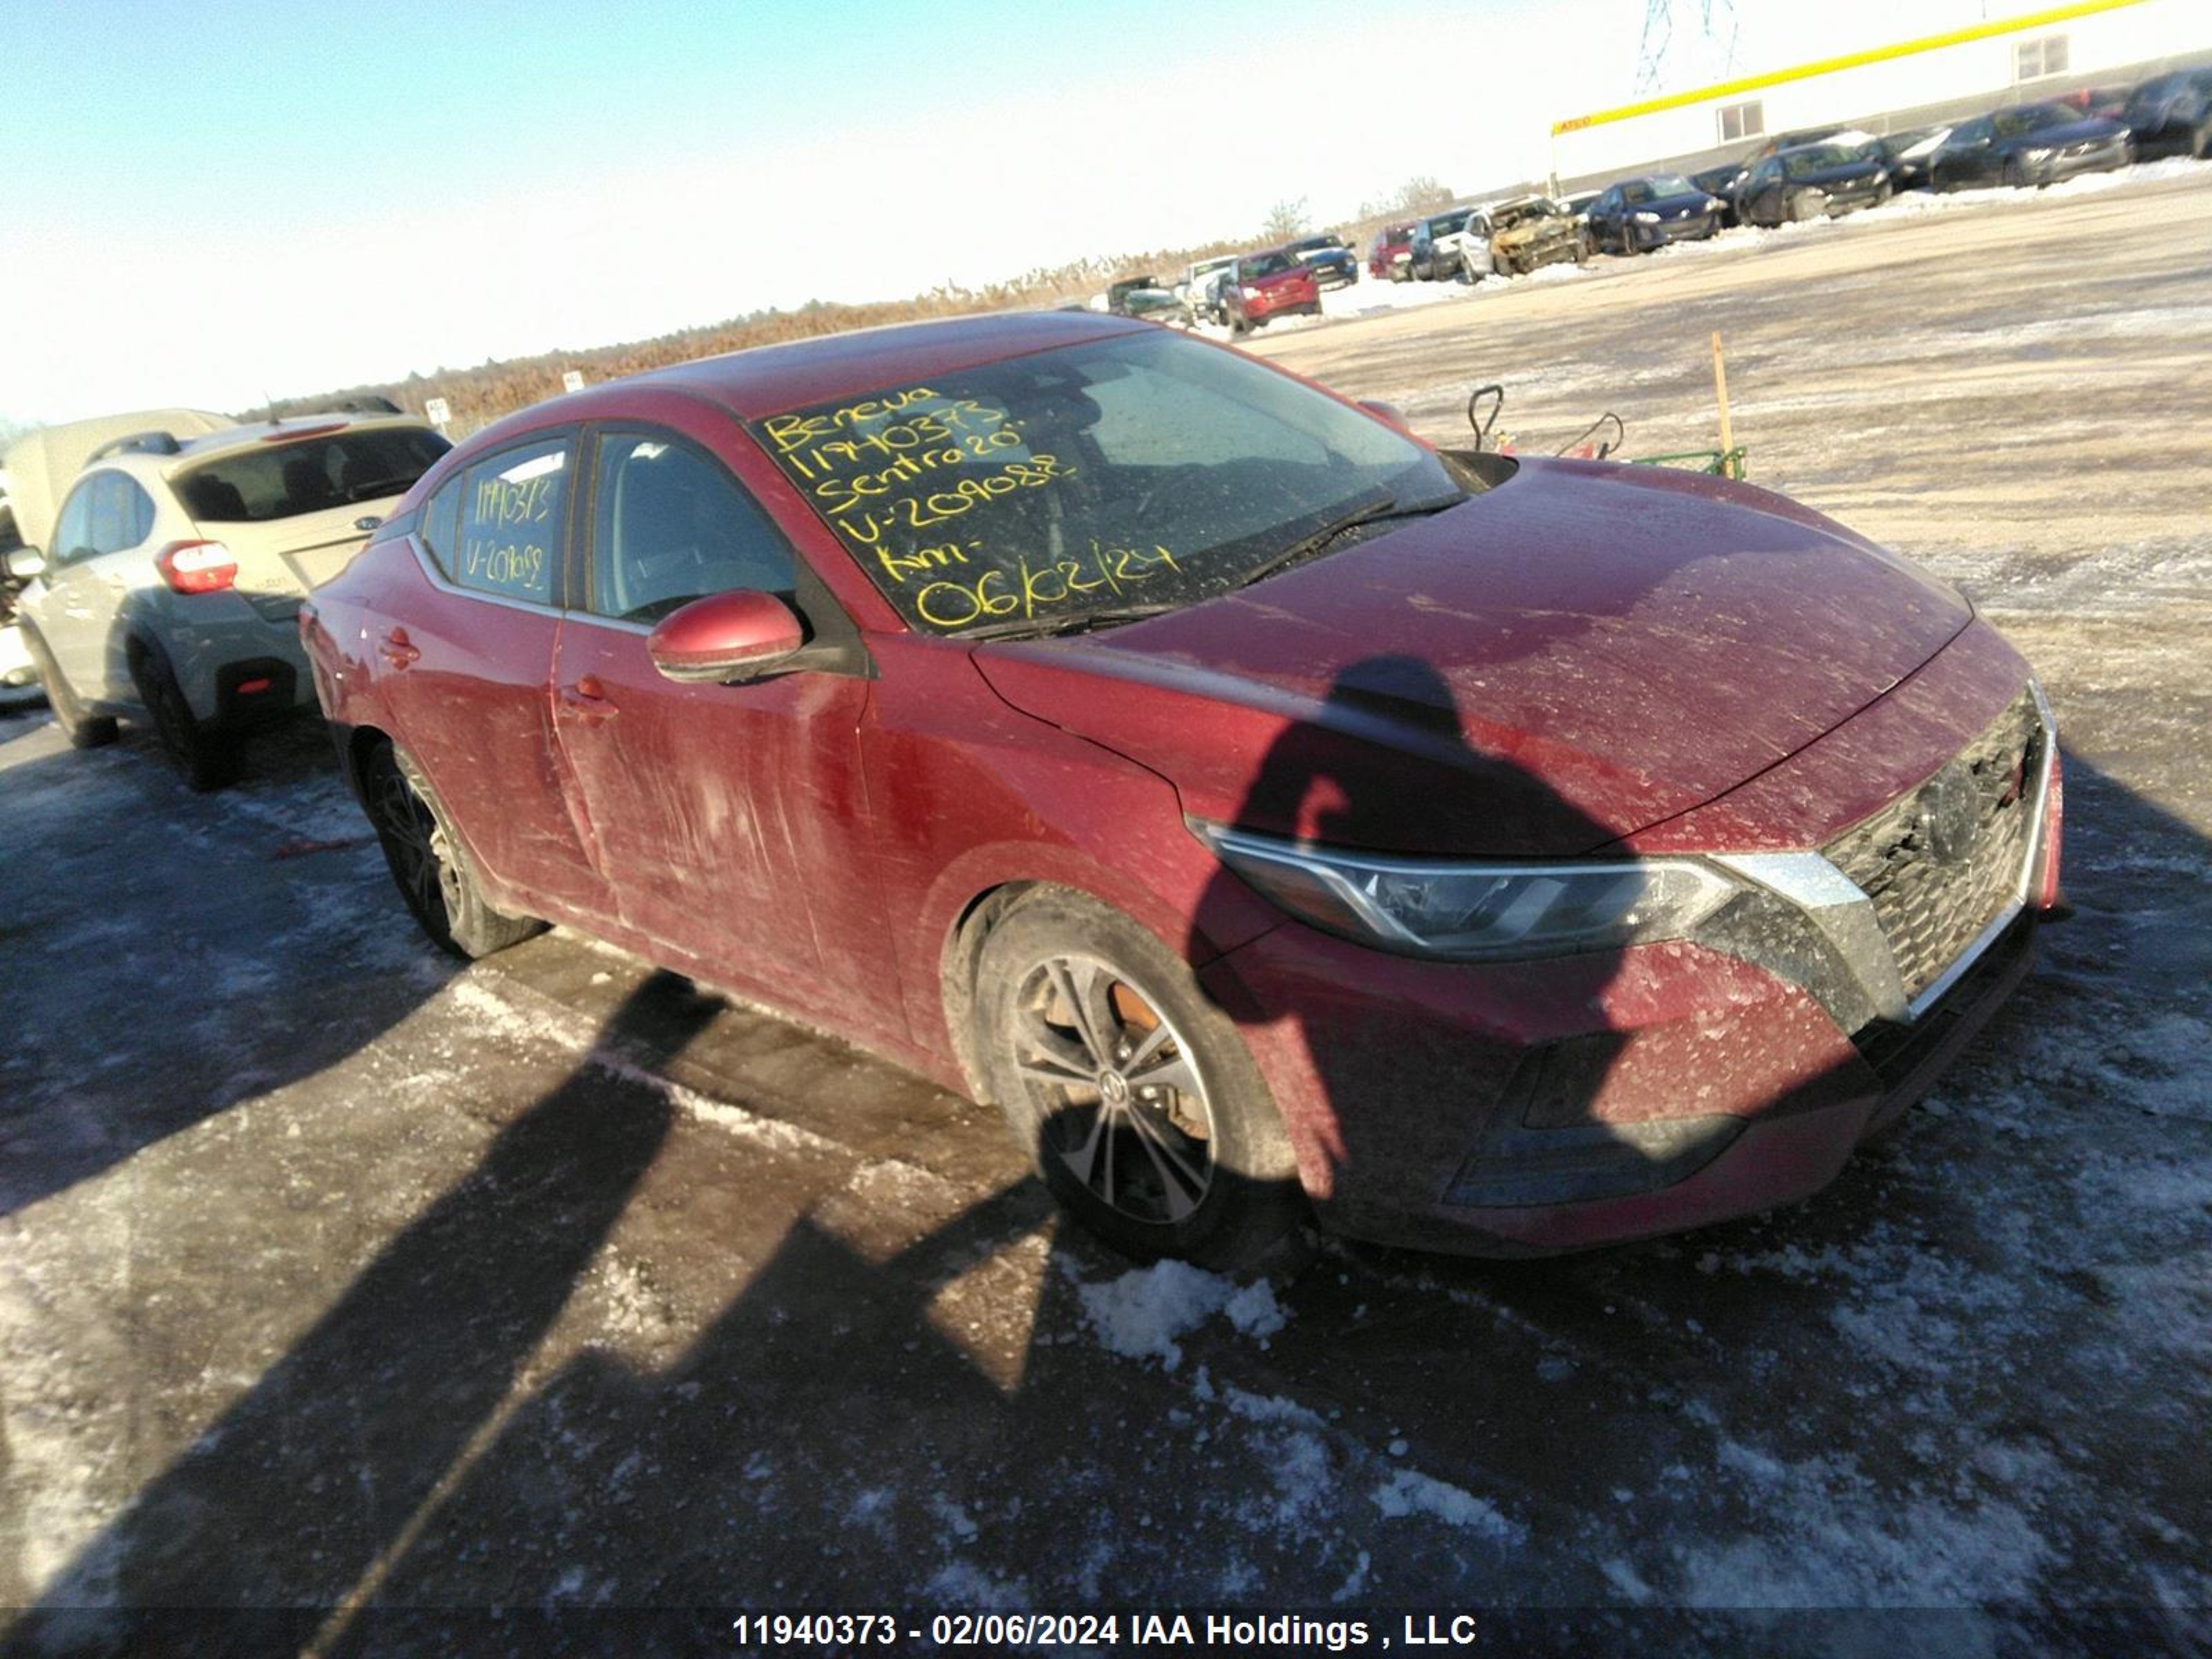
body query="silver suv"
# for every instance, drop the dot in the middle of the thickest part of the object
(172, 583)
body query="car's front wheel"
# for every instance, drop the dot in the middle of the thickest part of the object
(1130, 1090)
(83, 730)
(427, 862)
(206, 757)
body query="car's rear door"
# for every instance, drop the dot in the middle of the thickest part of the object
(731, 821)
(463, 662)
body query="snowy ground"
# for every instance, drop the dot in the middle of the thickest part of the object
(334, 1276)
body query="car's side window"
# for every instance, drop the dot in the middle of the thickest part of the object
(142, 514)
(73, 530)
(671, 524)
(509, 517)
(112, 512)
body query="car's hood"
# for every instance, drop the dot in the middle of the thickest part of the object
(1580, 653)
(1536, 230)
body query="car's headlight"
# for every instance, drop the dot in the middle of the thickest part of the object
(1476, 912)
(2038, 153)
(1646, 218)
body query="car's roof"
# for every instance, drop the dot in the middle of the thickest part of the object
(771, 379)
(245, 436)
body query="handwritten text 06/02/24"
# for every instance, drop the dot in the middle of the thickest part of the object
(1029, 588)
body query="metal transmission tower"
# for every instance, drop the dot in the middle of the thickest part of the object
(1717, 28)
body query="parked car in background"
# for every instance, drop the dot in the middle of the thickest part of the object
(1460, 847)
(1268, 285)
(2174, 112)
(1141, 296)
(1638, 215)
(1720, 183)
(1811, 181)
(1391, 255)
(42, 464)
(1334, 265)
(1532, 231)
(1200, 289)
(2034, 144)
(1455, 243)
(170, 588)
(1908, 155)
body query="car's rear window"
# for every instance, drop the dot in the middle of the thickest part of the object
(282, 481)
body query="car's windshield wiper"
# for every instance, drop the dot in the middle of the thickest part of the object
(1040, 626)
(1378, 507)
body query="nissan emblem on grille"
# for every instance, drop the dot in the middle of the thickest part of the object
(1949, 820)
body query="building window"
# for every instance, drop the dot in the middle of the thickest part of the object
(1744, 120)
(2033, 59)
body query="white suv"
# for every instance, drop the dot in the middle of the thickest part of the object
(173, 581)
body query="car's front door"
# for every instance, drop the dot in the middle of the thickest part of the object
(731, 821)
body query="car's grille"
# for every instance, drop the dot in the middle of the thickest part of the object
(1940, 862)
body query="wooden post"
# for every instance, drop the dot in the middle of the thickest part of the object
(1720, 392)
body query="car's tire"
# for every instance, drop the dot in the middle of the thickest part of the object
(84, 731)
(428, 864)
(206, 757)
(1130, 1090)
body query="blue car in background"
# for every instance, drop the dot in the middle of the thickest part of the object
(1334, 265)
(1637, 215)
(1813, 181)
(2034, 144)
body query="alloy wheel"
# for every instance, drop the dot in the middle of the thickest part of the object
(418, 844)
(1124, 1109)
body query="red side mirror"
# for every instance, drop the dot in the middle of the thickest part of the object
(725, 636)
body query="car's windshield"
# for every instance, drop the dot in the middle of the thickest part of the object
(2013, 122)
(1137, 472)
(1447, 224)
(275, 480)
(1657, 188)
(1815, 158)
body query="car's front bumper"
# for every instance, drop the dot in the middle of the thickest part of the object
(1695, 228)
(2076, 159)
(1561, 1103)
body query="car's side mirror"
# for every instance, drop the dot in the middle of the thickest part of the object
(22, 563)
(725, 637)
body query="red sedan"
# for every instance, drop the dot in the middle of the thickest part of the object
(1267, 811)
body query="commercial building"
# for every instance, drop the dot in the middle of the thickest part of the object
(2053, 52)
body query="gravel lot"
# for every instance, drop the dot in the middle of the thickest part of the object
(335, 1278)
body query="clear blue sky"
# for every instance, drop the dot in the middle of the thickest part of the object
(208, 202)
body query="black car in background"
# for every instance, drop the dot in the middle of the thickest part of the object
(2174, 112)
(2034, 144)
(1637, 215)
(1813, 180)
(1907, 155)
(1720, 183)
(1334, 265)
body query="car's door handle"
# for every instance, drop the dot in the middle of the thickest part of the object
(397, 649)
(588, 699)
